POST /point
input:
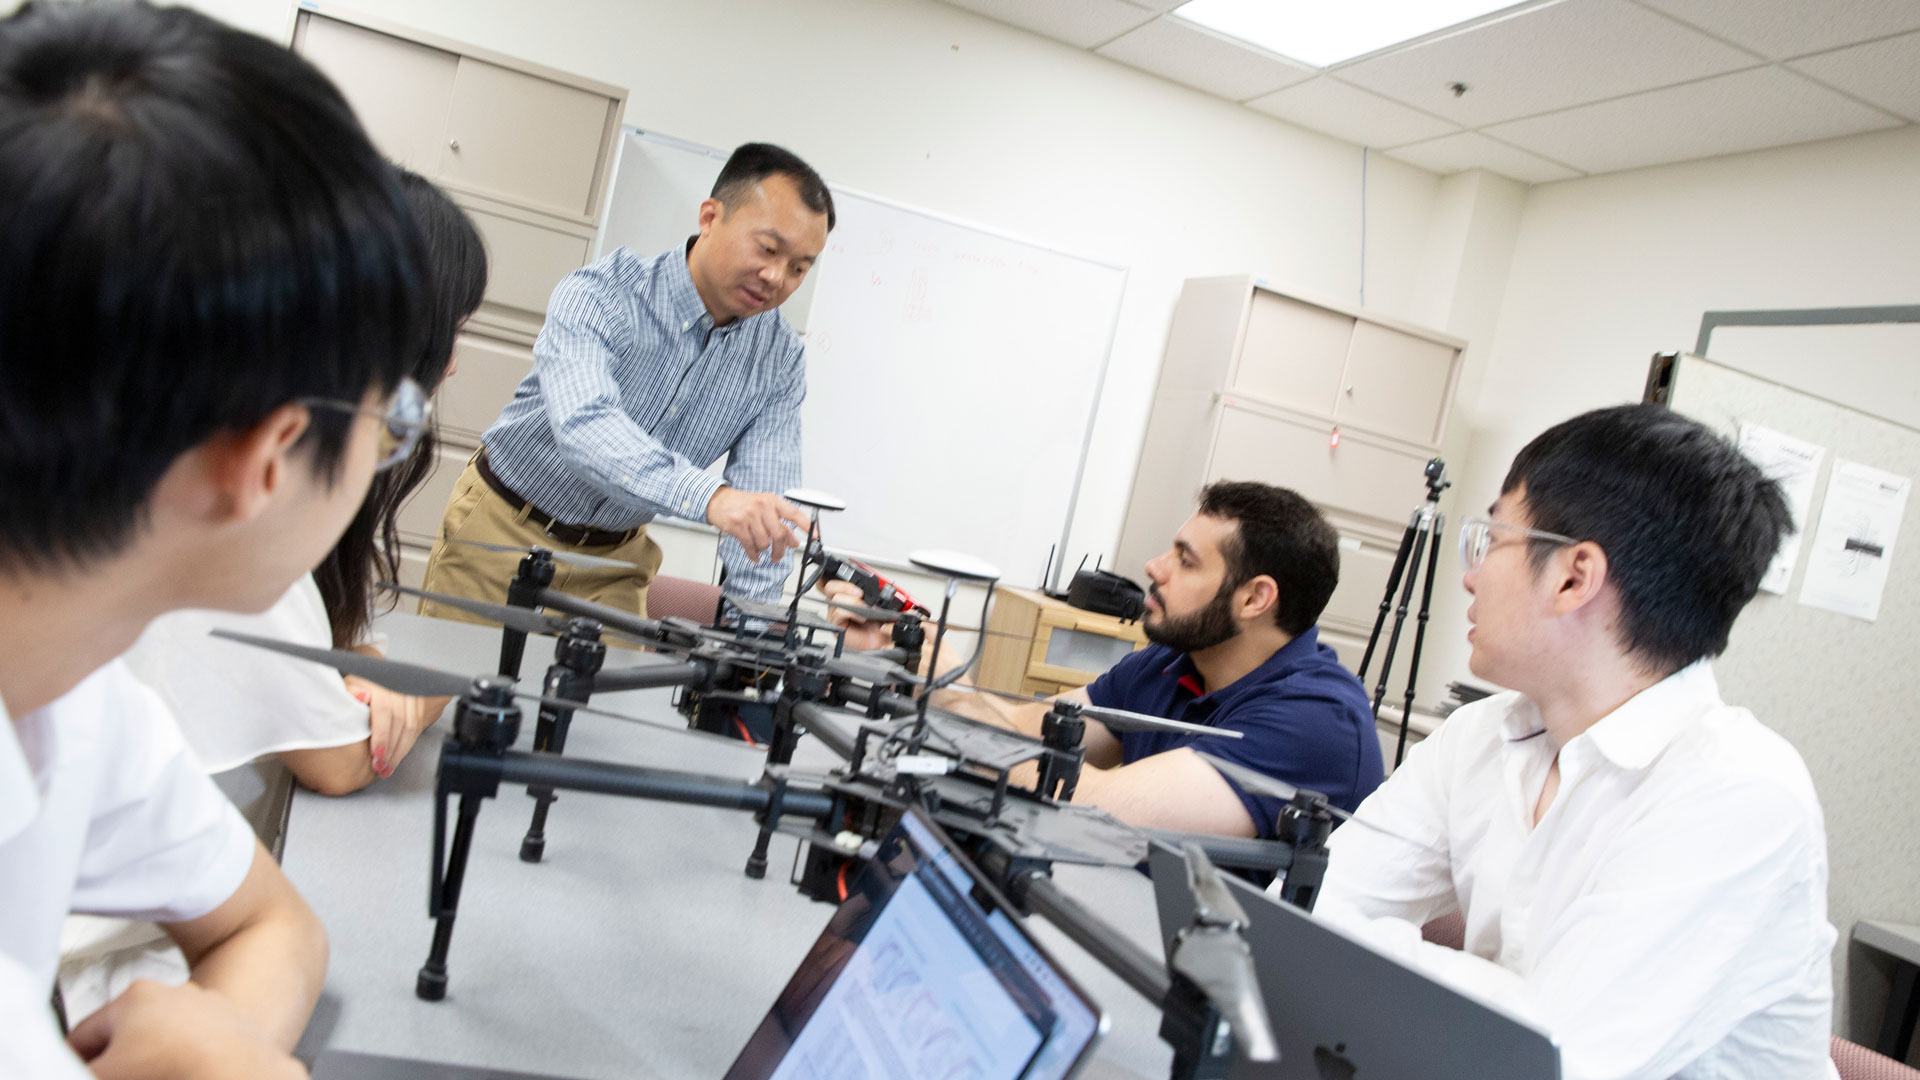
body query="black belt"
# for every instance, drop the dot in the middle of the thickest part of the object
(575, 535)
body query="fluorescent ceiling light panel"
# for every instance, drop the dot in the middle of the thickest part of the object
(1325, 32)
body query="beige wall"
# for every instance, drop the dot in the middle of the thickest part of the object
(953, 113)
(1608, 271)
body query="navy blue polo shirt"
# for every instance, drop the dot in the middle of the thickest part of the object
(1304, 718)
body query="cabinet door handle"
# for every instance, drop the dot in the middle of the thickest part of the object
(454, 144)
(1349, 391)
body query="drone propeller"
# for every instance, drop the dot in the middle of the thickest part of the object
(513, 618)
(1122, 720)
(1115, 719)
(776, 614)
(1263, 784)
(419, 681)
(882, 615)
(574, 557)
(1214, 955)
(872, 669)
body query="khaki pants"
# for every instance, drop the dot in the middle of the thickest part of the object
(477, 512)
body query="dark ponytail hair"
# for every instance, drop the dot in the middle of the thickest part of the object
(369, 550)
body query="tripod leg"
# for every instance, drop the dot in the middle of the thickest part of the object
(1386, 598)
(431, 985)
(1399, 617)
(1419, 639)
(550, 737)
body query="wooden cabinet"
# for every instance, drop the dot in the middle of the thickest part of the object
(1337, 403)
(1038, 645)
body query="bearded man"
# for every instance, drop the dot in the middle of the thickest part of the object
(1231, 611)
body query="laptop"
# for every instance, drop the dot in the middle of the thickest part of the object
(1342, 1011)
(923, 972)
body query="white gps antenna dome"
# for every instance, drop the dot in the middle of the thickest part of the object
(818, 500)
(955, 564)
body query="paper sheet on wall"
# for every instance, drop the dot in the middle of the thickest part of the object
(1853, 547)
(1795, 464)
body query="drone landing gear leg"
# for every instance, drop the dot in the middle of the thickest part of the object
(1201, 1040)
(533, 846)
(1305, 824)
(802, 683)
(485, 723)
(431, 985)
(535, 574)
(576, 660)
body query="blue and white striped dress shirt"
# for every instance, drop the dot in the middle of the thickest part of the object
(634, 392)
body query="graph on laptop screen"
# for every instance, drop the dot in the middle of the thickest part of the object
(919, 974)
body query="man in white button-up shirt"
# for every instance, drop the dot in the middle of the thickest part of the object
(1642, 867)
(209, 297)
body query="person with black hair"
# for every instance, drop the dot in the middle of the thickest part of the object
(1640, 866)
(646, 372)
(208, 311)
(239, 708)
(1231, 608)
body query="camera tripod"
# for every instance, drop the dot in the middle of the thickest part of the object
(1422, 538)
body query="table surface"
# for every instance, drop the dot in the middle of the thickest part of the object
(638, 948)
(1894, 939)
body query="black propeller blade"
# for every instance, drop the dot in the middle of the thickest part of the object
(416, 680)
(513, 618)
(1266, 785)
(871, 669)
(1215, 956)
(1122, 720)
(1115, 719)
(573, 557)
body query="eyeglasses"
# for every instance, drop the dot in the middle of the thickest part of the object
(402, 422)
(1476, 537)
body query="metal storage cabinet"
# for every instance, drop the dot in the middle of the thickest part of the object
(526, 150)
(1342, 405)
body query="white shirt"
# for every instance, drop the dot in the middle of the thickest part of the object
(235, 702)
(1668, 915)
(235, 705)
(103, 810)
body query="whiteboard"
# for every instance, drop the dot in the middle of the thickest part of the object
(952, 372)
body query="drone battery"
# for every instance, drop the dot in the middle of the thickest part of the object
(727, 714)
(1107, 593)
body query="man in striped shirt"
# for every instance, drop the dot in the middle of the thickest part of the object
(646, 372)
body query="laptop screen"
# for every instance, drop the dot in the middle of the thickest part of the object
(919, 973)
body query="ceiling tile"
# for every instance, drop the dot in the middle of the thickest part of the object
(1471, 150)
(1545, 58)
(1328, 105)
(1781, 28)
(1080, 23)
(1886, 73)
(1204, 60)
(1747, 110)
